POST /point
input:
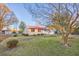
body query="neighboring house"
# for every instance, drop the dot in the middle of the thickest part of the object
(5, 31)
(34, 30)
(9, 29)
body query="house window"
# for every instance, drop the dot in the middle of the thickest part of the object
(32, 30)
(39, 30)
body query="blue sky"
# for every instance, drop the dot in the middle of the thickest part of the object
(21, 13)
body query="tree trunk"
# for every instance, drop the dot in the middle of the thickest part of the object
(65, 39)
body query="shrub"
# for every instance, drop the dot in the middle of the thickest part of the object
(34, 35)
(15, 35)
(25, 34)
(12, 43)
(42, 34)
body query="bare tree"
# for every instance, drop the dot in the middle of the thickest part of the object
(3, 12)
(66, 17)
(7, 17)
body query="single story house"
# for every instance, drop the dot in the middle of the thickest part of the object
(34, 30)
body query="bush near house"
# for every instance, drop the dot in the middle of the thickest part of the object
(25, 34)
(14, 34)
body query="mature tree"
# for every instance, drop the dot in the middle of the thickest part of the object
(66, 16)
(3, 12)
(63, 17)
(7, 17)
(22, 26)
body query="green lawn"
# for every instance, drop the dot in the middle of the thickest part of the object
(40, 46)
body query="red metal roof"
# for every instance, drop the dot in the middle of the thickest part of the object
(37, 27)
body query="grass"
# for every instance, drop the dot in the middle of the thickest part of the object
(40, 46)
